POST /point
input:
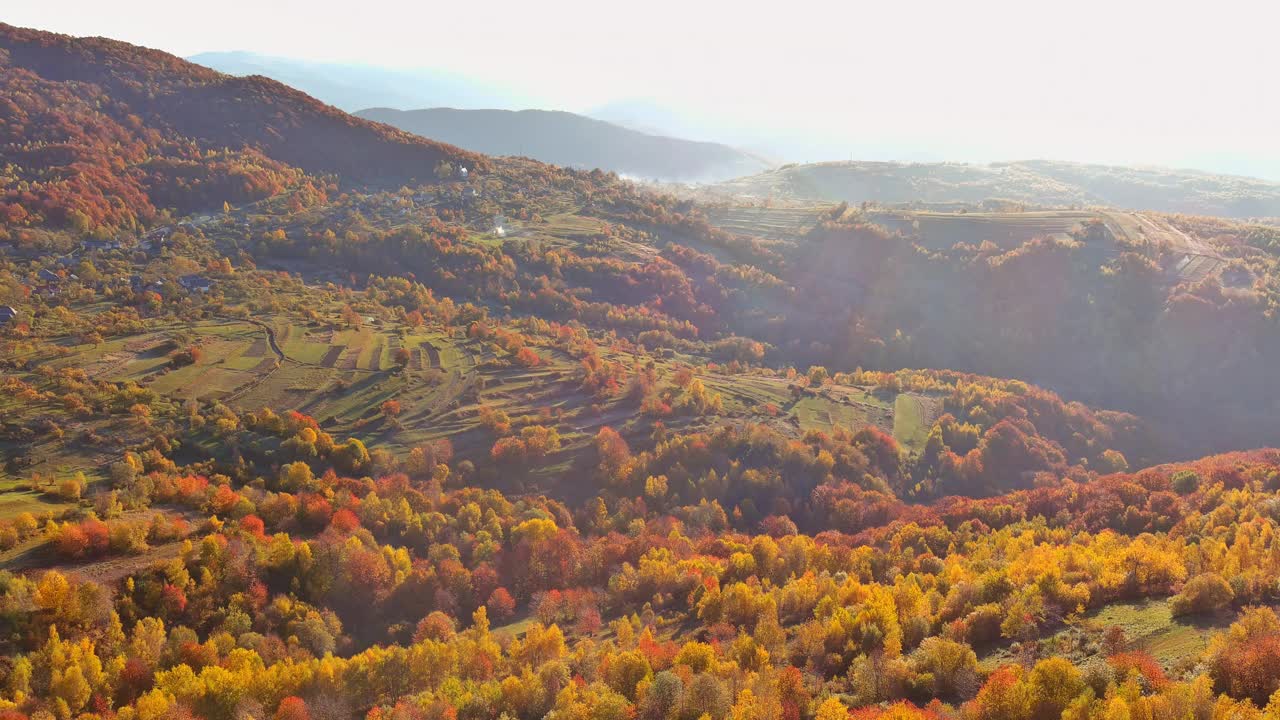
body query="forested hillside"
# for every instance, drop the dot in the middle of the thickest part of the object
(562, 138)
(101, 134)
(310, 436)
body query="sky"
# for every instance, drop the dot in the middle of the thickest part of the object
(1121, 82)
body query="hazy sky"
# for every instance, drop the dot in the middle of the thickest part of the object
(1183, 84)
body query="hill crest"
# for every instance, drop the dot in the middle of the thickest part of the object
(568, 139)
(1044, 183)
(78, 108)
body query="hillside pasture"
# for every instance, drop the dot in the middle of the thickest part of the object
(1148, 625)
(340, 376)
(230, 355)
(1186, 258)
(354, 371)
(42, 444)
(770, 223)
(940, 231)
(907, 416)
(913, 418)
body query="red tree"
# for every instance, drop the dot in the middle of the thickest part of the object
(293, 708)
(501, 605)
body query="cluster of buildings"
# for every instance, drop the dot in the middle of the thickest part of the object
(49, 283)
(52, 281)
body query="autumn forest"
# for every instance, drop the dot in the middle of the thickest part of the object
(305, 417)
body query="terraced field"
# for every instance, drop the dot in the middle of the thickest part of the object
(768, 223)
(233, 354)
(1192, 259)
(1007, 230)
(341, 376)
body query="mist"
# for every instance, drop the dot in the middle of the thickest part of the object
(1135, 83)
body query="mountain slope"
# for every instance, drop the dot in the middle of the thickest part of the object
(1036, 182)
(352, 87)
(564, 138)
(105, 133)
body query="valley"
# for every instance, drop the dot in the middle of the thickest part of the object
(306, 417)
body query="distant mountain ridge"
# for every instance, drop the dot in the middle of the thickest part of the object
(1034, 182)
(353, 87)
(564, 138)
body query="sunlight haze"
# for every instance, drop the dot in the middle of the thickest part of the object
(1125, 83)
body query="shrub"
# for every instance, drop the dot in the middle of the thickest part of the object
(951, 667)
(189, 356)
(1202, 594)
(71, 488)
(71, 542)
(1142, 663)
(1245, 661)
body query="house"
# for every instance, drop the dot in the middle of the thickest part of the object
(138, 285)
(51, 283)
(7, 314)
(469, 192)
(100, 245)
(195, 283)
(462, 172)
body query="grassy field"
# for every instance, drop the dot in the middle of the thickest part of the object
(15, 501)
(53, 460)
(232, 353)
(907, 417)
(913, 417)
(852, 409)
(1150, 626)
(54, 448)
(1176, 643)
